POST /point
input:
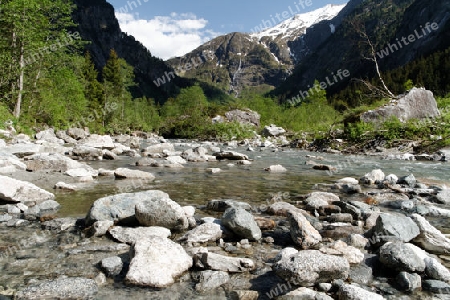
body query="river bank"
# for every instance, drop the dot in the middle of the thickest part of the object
(245, 232)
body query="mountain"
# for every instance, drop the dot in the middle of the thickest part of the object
(387, 23)
(260, 61)
(98, 25)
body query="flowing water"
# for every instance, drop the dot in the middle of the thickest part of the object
(191, 185)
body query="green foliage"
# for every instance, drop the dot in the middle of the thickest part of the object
(408, 85)
(229, 131)
(357, 131)
(5, 115)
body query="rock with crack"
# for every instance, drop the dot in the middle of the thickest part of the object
(217, 262)
(157, 262)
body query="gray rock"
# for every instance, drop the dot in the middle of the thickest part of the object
(409, 180)
(304, 293)
(276, 169)
(64, 186)
(302, 232)
(22, 150)
(5, 218)
(13, 190)
(353, 255)
(10, 163)
(120, 208)
(108, 155)
(60, 224)
(64, 288)
(242, 223)
(443, 197)
(98, 141)
(309, 267)
(100, 228)
(430, 238)
(340, 218)
(207, 232)
(112, 266)
(156, 262)
(353, 292)
(161, 211)
(401, 257)
(272, 130)
(146, 161)
(131, 235)
(77, 133)
(222, 205)
(217, 262)
(281, 208)
(230, 155)
(243, 117)
(198, 154)
(349, 209)
(395, 227)
(210, 280)
(317, 199)
(409, 282)
(160, 148)
(66, 138)
(373, 177)
(124, 173)
(86, 152)
(417, 104)
(391, 179)
(55, 162)
(176, 160)
(435, 270)
(48, 136)
(436, 287)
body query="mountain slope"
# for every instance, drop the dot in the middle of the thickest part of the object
(98, 25)
(384, 22)
(260, 60)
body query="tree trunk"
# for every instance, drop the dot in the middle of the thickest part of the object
(20, 85)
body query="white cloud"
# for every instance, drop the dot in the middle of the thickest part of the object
(167, 36)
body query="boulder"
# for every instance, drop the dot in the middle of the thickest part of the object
(210, 280)
(63, 288)
(401, 257)
(408, 282)
(217, 262)
(13, 190)
(124, 173)
(56, 162)
(86, 152)
(317, 199)
(417, 104)
(276, 169)
(222, 205)
(77, 133)
(309, 267)
(302, 232)
(230, 155)
(10, 163)
(112, 266)
(48, 136)
(67, 139)
(98, 141)
(435, 270)
(120, 208)
(176, 160)
(130, 235)
(395, 227)
(242, 223)
(243, 117)
(354, 292)
(198, 154)
(443, 197)
(272, 130)
(430, 238)
(65, 186)
(436, 287)
(304, 294)
(161, 211)
(109, 155)
(281, 208)
(156, 262)
(353, 255)
(22, 150)
(373, 177)
(207, 232)
(160, 148)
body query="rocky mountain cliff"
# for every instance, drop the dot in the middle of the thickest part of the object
(386, 23)
(98, 25)
(261, 60)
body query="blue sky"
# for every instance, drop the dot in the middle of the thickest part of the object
(175, 27)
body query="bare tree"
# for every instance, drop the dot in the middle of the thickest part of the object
(360, 29)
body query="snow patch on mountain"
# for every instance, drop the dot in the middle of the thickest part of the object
(297, 25)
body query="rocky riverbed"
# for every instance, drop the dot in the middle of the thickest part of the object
(98, 217)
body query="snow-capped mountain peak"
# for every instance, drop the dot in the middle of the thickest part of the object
(297, 24)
